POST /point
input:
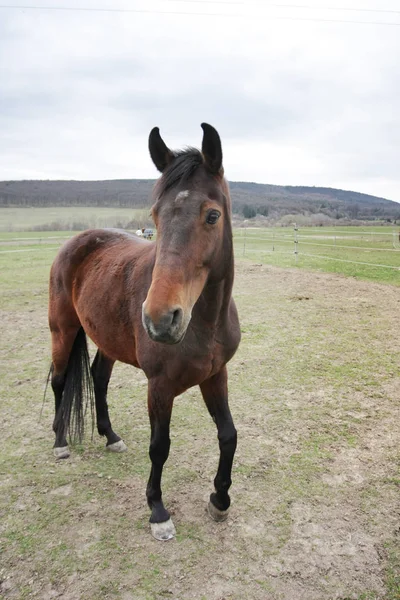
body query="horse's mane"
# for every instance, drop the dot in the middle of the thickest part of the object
(182, 167)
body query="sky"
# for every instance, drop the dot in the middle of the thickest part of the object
(301, 94)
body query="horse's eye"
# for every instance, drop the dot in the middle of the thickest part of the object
(213, 216)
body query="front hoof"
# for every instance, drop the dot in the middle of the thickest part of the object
(119, 446)
(62, 452)
(163, 531)
(216, 514)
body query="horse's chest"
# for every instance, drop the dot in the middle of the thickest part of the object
(188, 373)
(192, 368)
(203, 353)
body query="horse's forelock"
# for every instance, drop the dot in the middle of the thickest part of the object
(184, 165)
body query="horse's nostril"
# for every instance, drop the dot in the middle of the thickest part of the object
(177, 317)
(167, 328)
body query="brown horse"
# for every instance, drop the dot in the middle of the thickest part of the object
(164, 306)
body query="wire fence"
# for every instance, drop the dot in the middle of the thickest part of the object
(12, 245)
(295, 243)
(352, 247)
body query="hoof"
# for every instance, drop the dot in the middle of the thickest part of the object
(61, 452)
(163, 531)
(119, 446)
(217, 515)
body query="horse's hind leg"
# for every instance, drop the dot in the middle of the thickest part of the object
(215, 394)
(101, 372)
(62, 342)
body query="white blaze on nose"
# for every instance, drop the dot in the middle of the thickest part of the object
(181, 197)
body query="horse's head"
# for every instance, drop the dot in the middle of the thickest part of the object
(194, 237)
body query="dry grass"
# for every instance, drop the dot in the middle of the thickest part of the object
(314, 393)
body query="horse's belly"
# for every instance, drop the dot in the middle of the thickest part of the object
(114, 350)
(113, 337)
(111, 346)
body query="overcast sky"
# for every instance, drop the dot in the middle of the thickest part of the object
(296, 98)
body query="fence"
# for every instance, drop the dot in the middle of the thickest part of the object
(11, 245)
(373, 248)
(340, 246)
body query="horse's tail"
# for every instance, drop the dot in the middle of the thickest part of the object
(78, 394)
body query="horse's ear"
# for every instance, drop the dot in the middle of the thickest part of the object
(160, 153)
(211, 149)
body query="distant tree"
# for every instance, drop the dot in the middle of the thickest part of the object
(263, 210)
(249, 211)
(354, 210)
(248, 198)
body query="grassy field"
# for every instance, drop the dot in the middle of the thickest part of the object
(314, 394)
(371, 253)
(18, 219)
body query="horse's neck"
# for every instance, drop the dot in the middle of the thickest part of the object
(216, 296)
(218, 290)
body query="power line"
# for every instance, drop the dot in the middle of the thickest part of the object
(302, 6)
(242, 3)
(308, 6)
(207, 1)
(195, 14)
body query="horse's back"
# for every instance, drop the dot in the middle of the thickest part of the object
(99, 280)
(102, 248)
(83, 244)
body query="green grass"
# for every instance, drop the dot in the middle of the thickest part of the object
(324, 249)
(24, 277)
(19, 220)
(321, 249)
(370, 253)
(393, 571)
(313, 382)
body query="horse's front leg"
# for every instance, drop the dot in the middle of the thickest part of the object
(160, 408)
(215, 394)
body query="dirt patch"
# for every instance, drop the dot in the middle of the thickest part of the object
(315, 513)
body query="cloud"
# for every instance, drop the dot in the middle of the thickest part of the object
(295, 102)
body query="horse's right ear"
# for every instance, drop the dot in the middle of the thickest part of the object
(160, 153)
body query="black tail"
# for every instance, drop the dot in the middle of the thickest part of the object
(78, 392)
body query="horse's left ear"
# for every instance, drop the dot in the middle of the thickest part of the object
(211, 149)
(160, 153)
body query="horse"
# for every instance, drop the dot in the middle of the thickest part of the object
(163, 306)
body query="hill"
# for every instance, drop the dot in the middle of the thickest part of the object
(249, 199)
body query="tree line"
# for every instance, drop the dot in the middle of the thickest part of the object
(249, 200)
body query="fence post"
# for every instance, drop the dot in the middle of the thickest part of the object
(245, 233)
(296, 242)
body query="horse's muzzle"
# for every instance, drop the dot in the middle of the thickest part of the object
(169, 327)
